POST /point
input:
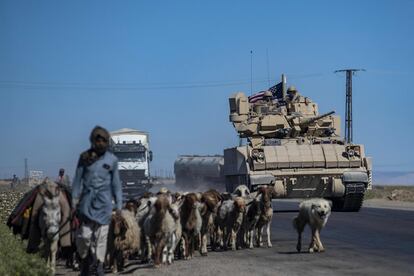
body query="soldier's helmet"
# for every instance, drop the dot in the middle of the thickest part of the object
(291, 89)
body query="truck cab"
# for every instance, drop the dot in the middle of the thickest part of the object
(131, 147)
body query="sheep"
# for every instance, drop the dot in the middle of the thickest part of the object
(123, 239)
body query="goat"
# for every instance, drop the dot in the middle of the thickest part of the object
(159, 226)
(175, 212)
(266, 214)
(250, 219)
(210, 201)
(229, 220)
(143, 209)
(241, 191)
(191, 223)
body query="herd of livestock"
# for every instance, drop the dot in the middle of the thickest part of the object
(164, 226)
(158, 228)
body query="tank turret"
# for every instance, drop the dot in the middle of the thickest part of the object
(308, 126)
(281, 119)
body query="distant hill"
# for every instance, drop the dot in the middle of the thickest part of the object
(393, 178)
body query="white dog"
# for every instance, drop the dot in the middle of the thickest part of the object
(314, 212)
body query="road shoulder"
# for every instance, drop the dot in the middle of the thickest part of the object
(389, 204)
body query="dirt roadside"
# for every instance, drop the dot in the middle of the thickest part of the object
(390, 197)
(389, 204)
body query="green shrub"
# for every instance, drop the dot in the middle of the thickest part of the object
(14, 260)
(8, 200)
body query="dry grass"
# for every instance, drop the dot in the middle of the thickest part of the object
(395, 193)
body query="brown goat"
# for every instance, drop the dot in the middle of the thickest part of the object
(191, 223)
(160, 226)
(266, 214)
(210, 201)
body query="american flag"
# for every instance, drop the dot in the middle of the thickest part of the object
(276, 92)
(256, 97)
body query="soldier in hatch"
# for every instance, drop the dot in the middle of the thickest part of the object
(95, 184)
(292, 94)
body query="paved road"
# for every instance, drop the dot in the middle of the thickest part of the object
(372, 242)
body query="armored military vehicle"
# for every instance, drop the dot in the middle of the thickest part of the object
(295, 149)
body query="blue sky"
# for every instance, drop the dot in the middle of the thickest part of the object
(168, 67)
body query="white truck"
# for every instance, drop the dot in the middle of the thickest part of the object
(134, 156)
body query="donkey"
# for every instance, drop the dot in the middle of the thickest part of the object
(49, 223)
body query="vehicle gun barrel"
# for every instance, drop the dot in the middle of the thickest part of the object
(309, 121)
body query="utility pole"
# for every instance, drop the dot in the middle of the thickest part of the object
(348, 102)
(267, 65)
(251, 72)
(26, 172)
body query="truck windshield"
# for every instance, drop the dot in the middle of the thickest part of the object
(131, 156)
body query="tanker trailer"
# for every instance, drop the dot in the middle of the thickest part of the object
(199, 172)
(293, 148)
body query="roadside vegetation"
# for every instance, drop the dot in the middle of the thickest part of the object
(8, 200)
(395, 193)
(14, 260)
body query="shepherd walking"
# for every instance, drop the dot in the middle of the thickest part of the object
(95, 185)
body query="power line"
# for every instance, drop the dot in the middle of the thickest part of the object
(121, 87)
(150, 85)
(74, 83)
